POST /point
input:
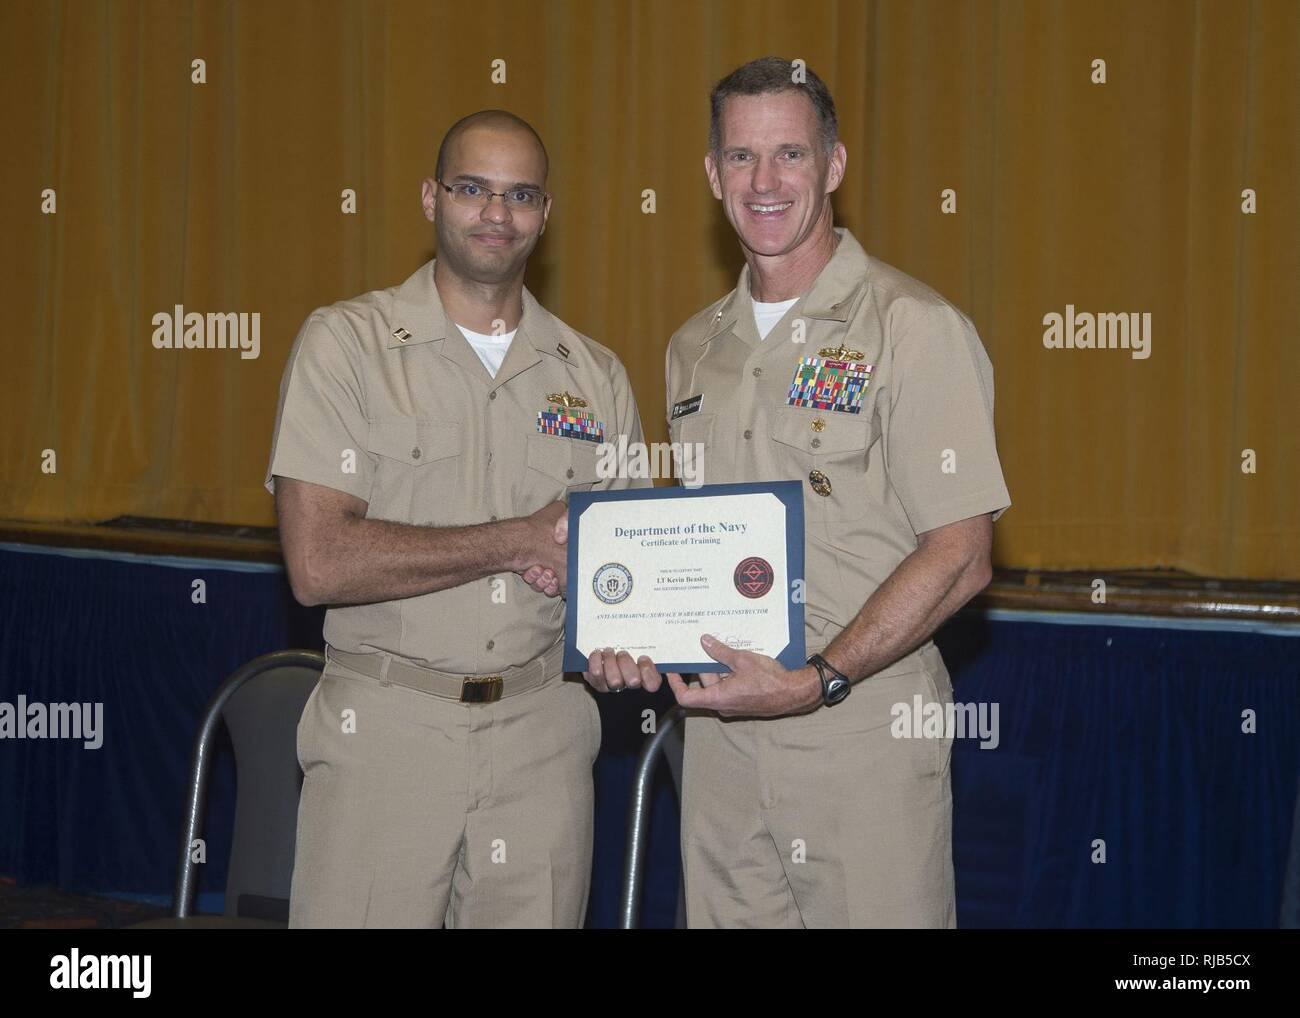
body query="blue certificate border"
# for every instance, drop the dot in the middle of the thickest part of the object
(791, 495)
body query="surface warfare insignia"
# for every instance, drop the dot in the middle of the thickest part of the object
(568, 418)
(840, 353)
(827, 382)
(566, 399)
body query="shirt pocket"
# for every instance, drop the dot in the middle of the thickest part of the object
(689, 437)
(558, 466)
(416, 461)
(830, 464)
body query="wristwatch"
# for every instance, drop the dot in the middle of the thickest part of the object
(835, 684)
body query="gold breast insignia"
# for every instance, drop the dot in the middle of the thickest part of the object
(840, 353)
(566, 400)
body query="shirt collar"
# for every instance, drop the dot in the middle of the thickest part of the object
(833, 295)
(418, 317)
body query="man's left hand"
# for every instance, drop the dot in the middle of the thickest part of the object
(756, 685)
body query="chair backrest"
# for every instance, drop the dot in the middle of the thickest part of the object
(667, 741)
(1290, 916)
(261, 716)
(674, 750)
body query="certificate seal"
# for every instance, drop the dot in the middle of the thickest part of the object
(612, 583)
(754, 576)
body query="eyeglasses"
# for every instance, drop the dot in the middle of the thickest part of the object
(518, 199)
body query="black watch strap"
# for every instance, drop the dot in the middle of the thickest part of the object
(835, 684)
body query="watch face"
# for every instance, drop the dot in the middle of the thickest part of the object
(836, 690)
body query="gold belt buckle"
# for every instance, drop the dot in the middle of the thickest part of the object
(481, 689)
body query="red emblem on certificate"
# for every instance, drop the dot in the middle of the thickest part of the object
(753, 577)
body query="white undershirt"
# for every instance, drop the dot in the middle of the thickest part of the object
(767, 315)
(491, 350)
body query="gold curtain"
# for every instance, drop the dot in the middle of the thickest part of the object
(226, 197)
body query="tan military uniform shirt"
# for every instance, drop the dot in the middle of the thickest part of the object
(918, 452)
(384, 398)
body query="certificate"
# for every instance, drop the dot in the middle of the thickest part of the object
(653, 569)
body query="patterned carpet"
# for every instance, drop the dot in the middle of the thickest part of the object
(28, 908)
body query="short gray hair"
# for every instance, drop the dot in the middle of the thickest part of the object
(768, 76)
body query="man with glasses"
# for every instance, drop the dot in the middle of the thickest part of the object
(426, 441)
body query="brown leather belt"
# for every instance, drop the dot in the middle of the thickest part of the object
(451, 686)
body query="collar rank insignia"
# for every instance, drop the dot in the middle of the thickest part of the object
(830, 382)
(401, 335)
(567, 417)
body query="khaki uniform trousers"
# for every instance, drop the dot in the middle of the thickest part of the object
(433, 811)
(823, 819)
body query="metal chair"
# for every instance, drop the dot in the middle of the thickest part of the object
(260, 704)
(668, 742)
(1289, 919)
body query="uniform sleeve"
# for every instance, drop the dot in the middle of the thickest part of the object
(628, 425)
(940, 450)
(320, 426)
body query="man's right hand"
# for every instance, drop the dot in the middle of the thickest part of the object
(543, 578)
(542, 559)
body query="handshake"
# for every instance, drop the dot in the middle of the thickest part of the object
(754, 685)
(545, 546)
(547, 549)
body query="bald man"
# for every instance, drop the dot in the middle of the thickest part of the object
(426, 442)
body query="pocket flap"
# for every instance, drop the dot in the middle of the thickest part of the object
(412, 441)
(793, 426)
(568, 460)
